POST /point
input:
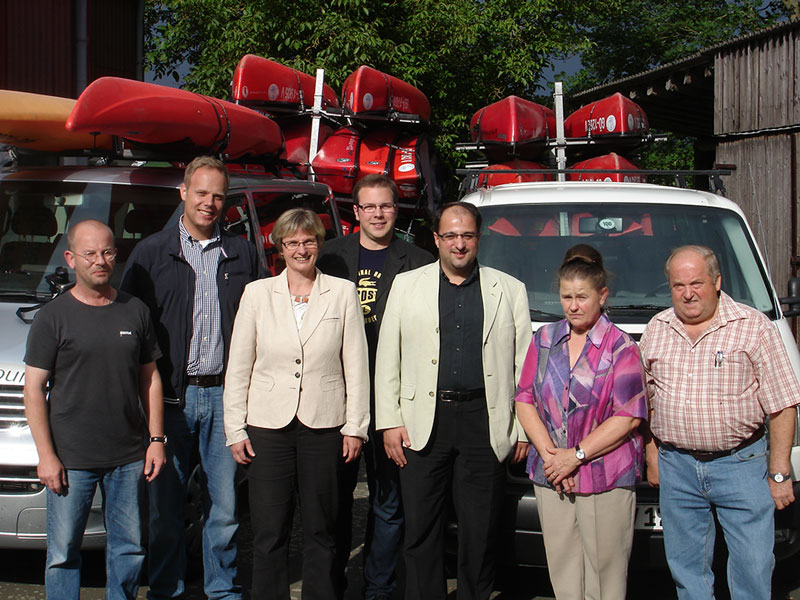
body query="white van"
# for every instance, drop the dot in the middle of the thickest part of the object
(527, 228)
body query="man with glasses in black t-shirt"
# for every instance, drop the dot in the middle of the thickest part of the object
(371, 259)
(97, 349)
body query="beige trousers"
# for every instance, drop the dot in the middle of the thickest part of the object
(588, 541)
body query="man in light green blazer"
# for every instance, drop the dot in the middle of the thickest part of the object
(452, 343)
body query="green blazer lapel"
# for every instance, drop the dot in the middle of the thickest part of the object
(491, 293)
(318, 303)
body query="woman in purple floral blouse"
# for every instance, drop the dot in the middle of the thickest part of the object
(581, 398)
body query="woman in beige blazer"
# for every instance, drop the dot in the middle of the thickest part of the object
(296, 404)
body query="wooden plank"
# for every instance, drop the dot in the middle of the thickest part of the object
(762, 187)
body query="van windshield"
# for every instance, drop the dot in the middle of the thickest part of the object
(34, 217)
(529, 242)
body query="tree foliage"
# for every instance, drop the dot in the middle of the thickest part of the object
(463, 54)
(642, 34)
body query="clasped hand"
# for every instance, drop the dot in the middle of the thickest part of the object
(559, 467)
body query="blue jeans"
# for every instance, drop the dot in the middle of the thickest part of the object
(384, 531)
(199, 422)
(123, 499)
(736, 486)
(384, 534)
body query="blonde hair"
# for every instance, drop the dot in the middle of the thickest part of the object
(298, 219)
(207, 162)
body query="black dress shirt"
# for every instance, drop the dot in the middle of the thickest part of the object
(460, 333)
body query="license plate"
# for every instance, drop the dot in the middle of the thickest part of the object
(648, 517)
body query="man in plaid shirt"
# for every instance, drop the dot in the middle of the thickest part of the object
(716, 369)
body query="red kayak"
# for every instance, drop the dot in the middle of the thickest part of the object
(488, 180)
(513, 126)
(376, 152)
(336, 163)
(614, 116)
(400, 156)
(369, 92)
(607, 161)
(176, 121)
(297, 141)
(259, 81)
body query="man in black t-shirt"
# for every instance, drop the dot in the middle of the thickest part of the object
(97, 349)
(371, 259)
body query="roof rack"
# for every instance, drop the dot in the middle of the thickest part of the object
(470, 183)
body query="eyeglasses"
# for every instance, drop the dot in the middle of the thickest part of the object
(294, 244)
(371, 208)
(91, 257)
(452, 237)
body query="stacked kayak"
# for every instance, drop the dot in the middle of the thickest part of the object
(173, 121)
(613, 117)
(371, 94)
(514, 133)
(385, 135)
(263, 83)
(513, 128)
(612, 162)
(509, 172)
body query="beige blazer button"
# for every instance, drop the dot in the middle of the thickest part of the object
(297, 375)
(430, 393)
(297, 360)
(433, 361)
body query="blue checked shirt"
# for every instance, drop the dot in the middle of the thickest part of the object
(206, 351)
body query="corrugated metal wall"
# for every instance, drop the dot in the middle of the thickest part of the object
(36, 47)
(757, 94)
(112, 28)
(38, 43)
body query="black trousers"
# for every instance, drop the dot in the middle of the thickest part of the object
(289, 461)
(458, 457)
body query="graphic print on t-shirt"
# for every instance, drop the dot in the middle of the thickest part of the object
(370, 269)
(367, 287)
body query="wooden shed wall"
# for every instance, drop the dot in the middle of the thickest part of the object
(757, 85)
(765, 186)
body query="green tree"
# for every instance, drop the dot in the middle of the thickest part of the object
(463, 54)
(642, 34)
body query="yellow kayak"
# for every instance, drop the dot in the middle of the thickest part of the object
(37, 122)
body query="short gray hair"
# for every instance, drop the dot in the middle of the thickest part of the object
(712, 264)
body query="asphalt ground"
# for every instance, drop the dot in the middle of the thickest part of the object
(22, 572)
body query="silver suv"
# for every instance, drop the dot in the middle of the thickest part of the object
(37, 206)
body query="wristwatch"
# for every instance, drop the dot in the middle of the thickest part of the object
(159, 438)
(580, 454)
(780, 477)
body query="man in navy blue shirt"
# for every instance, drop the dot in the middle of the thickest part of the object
(191, 277)
(371, 258)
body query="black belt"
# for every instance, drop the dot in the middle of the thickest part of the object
(460, 395)
(706, 456)
(205, 380)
